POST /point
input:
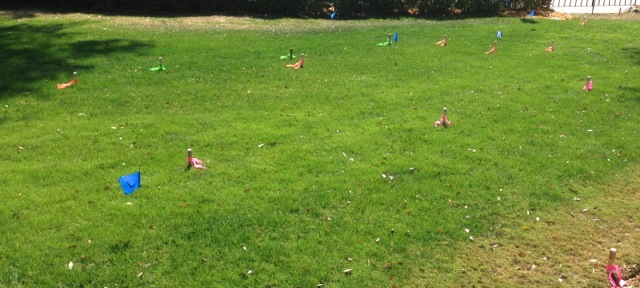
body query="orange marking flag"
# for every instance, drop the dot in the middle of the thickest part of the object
(551, 47)
(442, 42)
(70, 83)
(299, 64)
(494, 48)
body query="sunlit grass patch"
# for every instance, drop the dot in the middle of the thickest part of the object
(312, 172)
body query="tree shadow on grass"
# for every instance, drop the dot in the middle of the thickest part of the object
(634, 53)
(634, 56)
(632, 94)
(30, 53)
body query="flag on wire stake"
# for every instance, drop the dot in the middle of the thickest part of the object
(333, 15)
(299, 64)
(589, 85)
(130, 183)
(442, 42)
(551, 47)
(193, 162)
(290, 56)
(395, 37)
(389, 41)
(499, 34)
(494, 48)
(159, 68)
(615, 275)
(444, 121)
(70, 83)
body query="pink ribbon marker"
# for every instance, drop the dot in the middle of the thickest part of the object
(615, 276)
(589, 85)
(443, 119)
(193, 162)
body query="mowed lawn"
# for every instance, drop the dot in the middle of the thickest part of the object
(332, 174)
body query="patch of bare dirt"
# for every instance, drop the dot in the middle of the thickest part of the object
(540, 14)
(568, 247)
(547, 13)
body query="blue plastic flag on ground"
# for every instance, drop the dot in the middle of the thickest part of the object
(533, 13)
(333, 15)
(499, 35)
(130, 182)
(395, 37)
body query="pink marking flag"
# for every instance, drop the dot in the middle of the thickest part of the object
(196, 163)
(444, 121)
(589, 85)
(615, 277)
(193, 162)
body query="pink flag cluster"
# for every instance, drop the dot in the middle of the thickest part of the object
(444, 121)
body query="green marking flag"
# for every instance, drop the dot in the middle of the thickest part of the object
(159, 68)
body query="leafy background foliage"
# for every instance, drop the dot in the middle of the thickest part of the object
(296, 8)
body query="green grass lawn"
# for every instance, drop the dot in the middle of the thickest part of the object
(311, 172)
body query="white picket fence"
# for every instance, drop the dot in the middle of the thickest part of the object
(593, 3)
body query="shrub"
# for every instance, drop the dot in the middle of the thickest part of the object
(529, 4)
(312, 8)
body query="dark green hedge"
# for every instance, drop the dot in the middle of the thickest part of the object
(529, 4)
(347, 9)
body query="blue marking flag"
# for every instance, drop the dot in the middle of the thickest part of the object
(333, 15)
(499, 35)
(533, 13)
(130, 182)
(395, 37)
